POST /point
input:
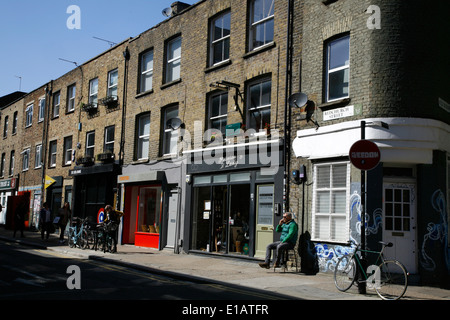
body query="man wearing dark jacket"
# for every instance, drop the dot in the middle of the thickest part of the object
(289, 233)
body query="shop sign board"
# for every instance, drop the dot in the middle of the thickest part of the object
(364, 155)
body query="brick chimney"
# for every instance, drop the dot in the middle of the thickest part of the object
(177, 7)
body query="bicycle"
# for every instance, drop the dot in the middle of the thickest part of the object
(77, 233)
(105, 236)
(389, 278)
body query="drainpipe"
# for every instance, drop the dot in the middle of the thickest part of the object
(48, 95)
(287, 109)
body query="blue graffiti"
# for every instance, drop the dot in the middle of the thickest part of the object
(436, 232)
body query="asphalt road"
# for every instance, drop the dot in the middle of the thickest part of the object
(30, 273)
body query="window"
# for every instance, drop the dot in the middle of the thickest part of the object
(217, 112)
(143, 136)
(52, 158)
(5, 128)
(331, 191)
(38, 156)
(2, 165)
(56, 102)
(220, 38)
(146, 78)
(109, 139)
(71, 91)
(93, 91)
(170, 136)
(41, 110)
(113, 78)
(29, 116)
(259, 104)
(337, 68)
(90, 144)
(14, 129)
(67, 150)
(173, 64)
(11, 162)
(25, 159)
(261, 23)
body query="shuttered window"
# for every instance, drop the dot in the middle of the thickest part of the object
(330, 201)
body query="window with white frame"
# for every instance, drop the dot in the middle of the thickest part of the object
(258, 105)
(71, 91)
(261, 23)
(38, 156)
(14, 128)
(90, 144)
(330, 212)
(25, 159)
(5, 128)
(109, 139)
(146, 76)
(217, 112)
(11, 162)
(93, 91)
(170, 136)
(52, 151)
(67, 150)
(143, 136)
(56, 103)
(220, 38)
(41, 110)
(173, 62)
(2, 165)
(113, 80)
(337, 68)
(29, 115)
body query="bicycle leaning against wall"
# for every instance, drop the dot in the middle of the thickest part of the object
(389, 278)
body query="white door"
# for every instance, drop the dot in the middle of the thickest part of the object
(264, 218)
(399, 222)
(172, 219)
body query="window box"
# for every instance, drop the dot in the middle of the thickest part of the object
(105, 157)
(90, 108)
(110, 102)
(86, 160)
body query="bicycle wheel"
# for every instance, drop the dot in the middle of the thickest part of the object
(86, 239)
(391, 280)
(71, 238)
(345, 273)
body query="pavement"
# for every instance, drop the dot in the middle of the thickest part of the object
(221, 270)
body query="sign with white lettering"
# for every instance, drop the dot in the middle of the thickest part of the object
(364, 155)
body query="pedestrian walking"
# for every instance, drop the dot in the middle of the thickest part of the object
(65, 214)
(45, 220)
(19, 218)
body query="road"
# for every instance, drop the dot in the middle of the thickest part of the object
(30, 273)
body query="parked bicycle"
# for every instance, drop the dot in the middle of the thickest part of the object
(389, 278)
(105, 234)
(77, 233)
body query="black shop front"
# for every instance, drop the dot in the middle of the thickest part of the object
(235, 196)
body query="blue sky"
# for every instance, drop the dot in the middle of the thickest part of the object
(34, 35)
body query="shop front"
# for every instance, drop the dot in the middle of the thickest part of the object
(234, 202)
(149, 200)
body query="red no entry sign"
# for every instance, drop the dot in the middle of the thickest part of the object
(364, 155)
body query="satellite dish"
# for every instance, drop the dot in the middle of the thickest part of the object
(174, 123)
(167, 12)
(298, 100)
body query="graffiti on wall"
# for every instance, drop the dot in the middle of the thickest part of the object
(436, 232)
(329, 254)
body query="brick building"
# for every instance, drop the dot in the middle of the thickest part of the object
(190, 144)
(385, 63)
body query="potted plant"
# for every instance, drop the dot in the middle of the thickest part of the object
(89, 107)
(109, 101)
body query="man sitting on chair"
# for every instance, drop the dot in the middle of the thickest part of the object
(289, 232)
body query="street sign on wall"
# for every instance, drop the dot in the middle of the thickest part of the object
(364, 155)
